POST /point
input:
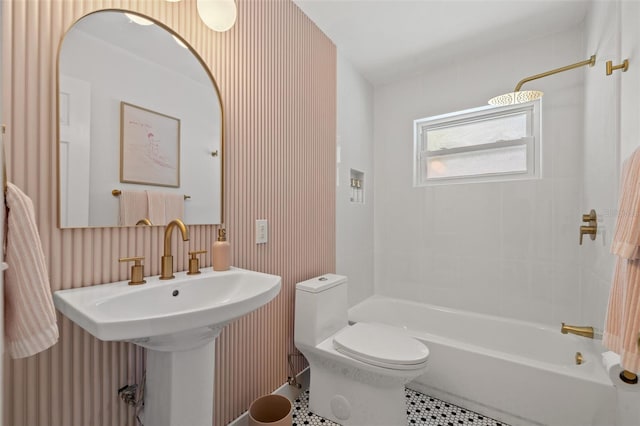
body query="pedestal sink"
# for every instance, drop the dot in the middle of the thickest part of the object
(177, 321)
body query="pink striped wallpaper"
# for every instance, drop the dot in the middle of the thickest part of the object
(277, 76)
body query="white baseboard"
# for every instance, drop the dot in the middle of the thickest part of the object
(291, 392)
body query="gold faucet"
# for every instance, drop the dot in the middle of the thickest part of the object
(580, 331)
(167, 258)
(144, 221)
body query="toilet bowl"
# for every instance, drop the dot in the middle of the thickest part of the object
(358, 371)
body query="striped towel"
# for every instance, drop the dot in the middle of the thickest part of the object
(622, 325)
(165, 206)
(30, 318)
(133, 207)
(626, 237)
(156, 207)
(623, 316)
(174, 206)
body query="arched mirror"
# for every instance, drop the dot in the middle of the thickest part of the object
(139, 116)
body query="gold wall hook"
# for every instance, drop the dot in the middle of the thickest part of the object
(592, 219)
(624, 66)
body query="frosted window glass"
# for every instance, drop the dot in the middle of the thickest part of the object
(478, 145)
(509, 127)
(511, 159)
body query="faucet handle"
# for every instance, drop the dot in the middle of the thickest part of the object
(194, 262)
(137, 269)
(592, 228)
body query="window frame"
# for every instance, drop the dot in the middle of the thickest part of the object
(533, 143)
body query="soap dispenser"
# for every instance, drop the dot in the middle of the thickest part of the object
(221, 252)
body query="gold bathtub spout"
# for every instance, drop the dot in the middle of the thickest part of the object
(580, 331)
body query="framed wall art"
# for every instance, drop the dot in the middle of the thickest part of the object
(149, 147)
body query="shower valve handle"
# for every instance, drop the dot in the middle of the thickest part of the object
(588, 230)
(592, 228)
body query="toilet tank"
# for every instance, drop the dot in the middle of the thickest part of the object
(321, 308)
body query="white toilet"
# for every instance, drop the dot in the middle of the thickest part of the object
(358, 372)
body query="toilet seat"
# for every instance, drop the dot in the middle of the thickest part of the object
(382, 346)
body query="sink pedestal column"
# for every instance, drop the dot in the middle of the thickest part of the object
(179, 387)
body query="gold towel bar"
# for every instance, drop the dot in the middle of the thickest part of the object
(117, 192)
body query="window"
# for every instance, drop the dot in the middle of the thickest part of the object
(478, 145)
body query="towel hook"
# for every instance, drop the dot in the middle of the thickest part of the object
(624, 66)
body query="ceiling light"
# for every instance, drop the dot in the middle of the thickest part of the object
(519, 97)
(219, 15)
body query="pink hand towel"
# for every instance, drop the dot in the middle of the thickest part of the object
(174, 206)
(165, 206)
(156, 204)
(626, 237)
(133, 207)
(623, 315)
(30, 318)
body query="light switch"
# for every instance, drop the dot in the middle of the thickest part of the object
(262, 234)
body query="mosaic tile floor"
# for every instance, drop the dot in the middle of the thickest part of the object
(421, 410)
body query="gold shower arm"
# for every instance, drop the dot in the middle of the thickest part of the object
(591, 62)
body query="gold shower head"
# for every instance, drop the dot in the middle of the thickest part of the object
(519, 97)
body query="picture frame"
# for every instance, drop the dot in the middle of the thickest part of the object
(149, 147)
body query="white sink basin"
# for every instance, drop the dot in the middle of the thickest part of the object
(178, 321)
(168, 315)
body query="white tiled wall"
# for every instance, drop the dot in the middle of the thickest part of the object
(354, 221)
(612, 132)
(509, 248)
(501, 248)
(600, 157)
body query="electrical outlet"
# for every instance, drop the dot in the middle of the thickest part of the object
(261, 231)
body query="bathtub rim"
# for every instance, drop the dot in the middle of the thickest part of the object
(592, 370)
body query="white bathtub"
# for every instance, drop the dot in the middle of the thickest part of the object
(518, 372)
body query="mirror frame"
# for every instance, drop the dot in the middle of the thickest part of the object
(57, 108)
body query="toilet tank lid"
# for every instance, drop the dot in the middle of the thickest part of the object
(321, 283)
